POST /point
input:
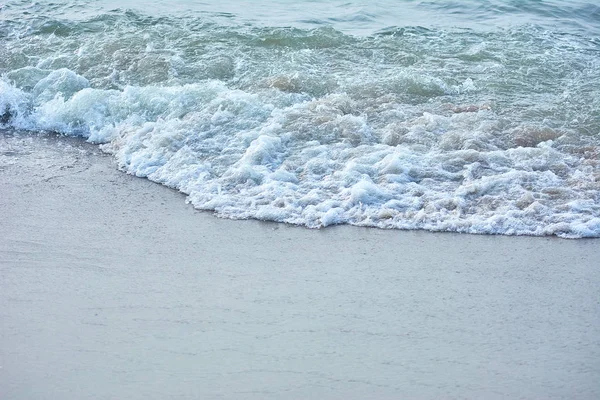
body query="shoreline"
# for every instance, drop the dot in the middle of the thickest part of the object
(115, 287)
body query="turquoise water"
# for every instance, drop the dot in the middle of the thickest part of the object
(354, 17)
(466, 116)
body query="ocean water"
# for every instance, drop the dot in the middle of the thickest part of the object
(463, 116)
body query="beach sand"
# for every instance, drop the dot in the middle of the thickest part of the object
(113, 288)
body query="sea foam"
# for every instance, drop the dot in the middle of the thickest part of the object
(416, 130)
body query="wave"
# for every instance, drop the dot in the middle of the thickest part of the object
(409, 128)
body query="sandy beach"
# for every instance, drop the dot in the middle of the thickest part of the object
(112, 287)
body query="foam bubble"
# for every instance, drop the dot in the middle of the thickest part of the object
(415, 130)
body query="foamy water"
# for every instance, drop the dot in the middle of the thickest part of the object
(466, 117)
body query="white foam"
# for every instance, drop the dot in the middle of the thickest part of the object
(321, 128)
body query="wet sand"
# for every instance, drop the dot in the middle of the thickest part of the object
(113, 287)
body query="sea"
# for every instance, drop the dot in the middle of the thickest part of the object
(473, 116)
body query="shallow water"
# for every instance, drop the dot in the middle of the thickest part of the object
(479, 117)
